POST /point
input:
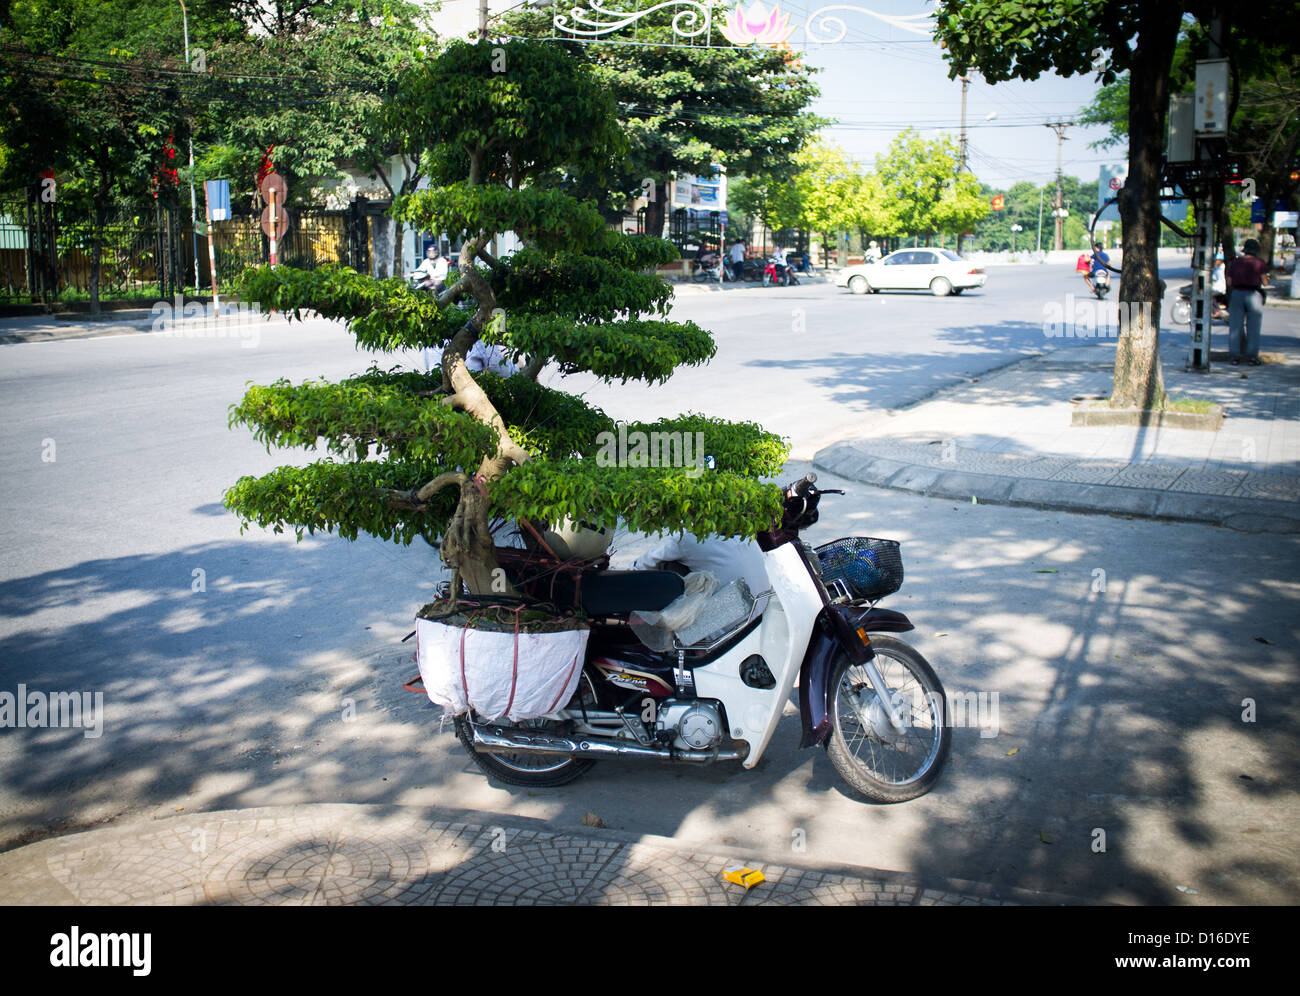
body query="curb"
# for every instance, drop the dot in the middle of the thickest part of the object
(855, 461)
(340, 853)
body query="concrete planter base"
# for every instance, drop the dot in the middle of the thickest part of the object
(1099, 413)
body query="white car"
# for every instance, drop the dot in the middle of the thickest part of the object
(940, 271)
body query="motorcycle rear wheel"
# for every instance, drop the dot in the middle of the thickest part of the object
(877, 759)
(533, 770)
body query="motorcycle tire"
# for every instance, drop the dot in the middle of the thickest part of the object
(532, 770)
(767, 280)
(786, 279)
(859, 723)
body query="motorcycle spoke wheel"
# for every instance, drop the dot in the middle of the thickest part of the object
(879, 760)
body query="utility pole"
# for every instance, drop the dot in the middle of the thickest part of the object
(482, 19)
(965, 82)
(1039, 245)
(194, 222)
(1059, 127)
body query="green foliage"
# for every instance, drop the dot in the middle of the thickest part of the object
(743, 448)
(625, 350)
(920, 180)
(542, 420)
(517, 108)
(549, 218)
(580, 286)
(343, 498)
(354, 414)
(383, 314)
(686, 109)
(644, 499)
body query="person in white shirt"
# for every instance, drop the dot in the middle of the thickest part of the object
(737, 256)
(482, 356)
(432, 272)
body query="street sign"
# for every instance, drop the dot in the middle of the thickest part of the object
(218, 198)
(1285, 219)
(281, 222)
(1212, 97)
(1109, 183)
(274, 182)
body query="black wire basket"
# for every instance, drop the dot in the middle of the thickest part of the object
(859, 567)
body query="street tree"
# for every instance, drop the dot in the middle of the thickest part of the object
(688, 109)
(439, 454)
(90, 100)
(919, 178)
(1264, 131)
(1005, 40)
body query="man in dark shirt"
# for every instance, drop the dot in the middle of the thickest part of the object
(1247, 276)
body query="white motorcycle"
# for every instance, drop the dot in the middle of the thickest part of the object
(718, 691)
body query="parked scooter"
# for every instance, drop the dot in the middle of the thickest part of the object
(719, 691)
(1181, 312)
(778, 273)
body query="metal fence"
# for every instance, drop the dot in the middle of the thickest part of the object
(47, 249)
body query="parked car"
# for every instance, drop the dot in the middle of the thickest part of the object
(940, 271)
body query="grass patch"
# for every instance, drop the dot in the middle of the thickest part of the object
(1196, 406)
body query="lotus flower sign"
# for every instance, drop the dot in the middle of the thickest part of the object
(756, 25)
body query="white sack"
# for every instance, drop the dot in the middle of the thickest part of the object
(549, 667)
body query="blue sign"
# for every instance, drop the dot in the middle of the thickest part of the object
(1257, 211)
(218, 196)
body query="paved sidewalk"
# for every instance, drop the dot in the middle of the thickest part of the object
(1006, 438)
(234, 323)
(392, 855)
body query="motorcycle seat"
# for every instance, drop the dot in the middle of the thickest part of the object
(616, 593)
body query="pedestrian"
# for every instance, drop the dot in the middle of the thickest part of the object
(738, 259)
(1246, 277)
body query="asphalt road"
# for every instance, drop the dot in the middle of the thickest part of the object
(278, 681)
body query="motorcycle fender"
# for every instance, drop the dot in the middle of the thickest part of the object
(835, 631)
(883, 621)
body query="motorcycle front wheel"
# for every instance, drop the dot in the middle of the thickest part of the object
(533, 770)
(884, 762)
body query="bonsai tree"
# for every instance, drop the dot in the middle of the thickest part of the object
(440, 454)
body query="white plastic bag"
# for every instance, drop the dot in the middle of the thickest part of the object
(478, 669)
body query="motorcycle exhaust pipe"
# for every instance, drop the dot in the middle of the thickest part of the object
(512, 740)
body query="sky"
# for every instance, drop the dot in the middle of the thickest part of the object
(881, 79)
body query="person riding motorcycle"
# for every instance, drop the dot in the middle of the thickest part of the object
(431, 274)
(1099, 263)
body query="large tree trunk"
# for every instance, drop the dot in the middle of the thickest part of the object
(1139, 382)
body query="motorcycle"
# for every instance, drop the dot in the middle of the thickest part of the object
(1181, 312)
(1101, 284)
(706, 270)
(873, 702)
(778, 273)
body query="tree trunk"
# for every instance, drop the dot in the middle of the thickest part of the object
(1139, 381)
(97, 256)
(657, 209)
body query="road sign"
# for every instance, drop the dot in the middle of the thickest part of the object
(217, 193)
(274, 181)
(281, 222)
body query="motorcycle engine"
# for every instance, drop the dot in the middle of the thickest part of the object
(693, 724)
